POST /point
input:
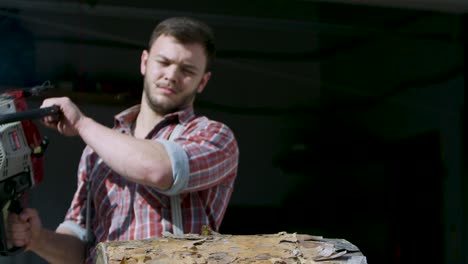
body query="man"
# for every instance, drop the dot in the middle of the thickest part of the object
(160, 169)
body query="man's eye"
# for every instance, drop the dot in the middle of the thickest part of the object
(189, 72)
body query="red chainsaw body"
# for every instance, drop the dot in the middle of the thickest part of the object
(32, 135)
(21, 157)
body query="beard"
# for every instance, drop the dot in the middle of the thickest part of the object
(164, 105)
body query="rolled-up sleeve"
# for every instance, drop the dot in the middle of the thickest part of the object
(212, 153)
(180, 166)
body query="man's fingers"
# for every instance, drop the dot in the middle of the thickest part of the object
(19, 227)
(50, 120)
(20, 240)
(18, 230)
(27, 214)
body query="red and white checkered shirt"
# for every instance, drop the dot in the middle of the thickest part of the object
(204, 157)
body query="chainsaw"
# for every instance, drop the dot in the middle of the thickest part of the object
(21, 154)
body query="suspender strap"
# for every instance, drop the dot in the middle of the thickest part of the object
(89, 234)
(176, 211)
(177, 225)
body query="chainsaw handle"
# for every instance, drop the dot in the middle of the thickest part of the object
(30, 114)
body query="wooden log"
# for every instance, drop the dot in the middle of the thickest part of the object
(281, 248)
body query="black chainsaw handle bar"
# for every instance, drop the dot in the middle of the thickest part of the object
(30, 114)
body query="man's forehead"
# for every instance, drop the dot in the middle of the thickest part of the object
(168, 47)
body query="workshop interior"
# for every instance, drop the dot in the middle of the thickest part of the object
(349, 114)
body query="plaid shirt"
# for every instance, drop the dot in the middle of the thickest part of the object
(124, 210)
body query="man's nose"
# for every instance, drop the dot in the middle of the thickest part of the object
(171, 73)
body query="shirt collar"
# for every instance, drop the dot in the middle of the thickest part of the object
(184, 116)
(128, 116)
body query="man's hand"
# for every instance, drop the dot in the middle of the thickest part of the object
(23, 230)
(68, 120)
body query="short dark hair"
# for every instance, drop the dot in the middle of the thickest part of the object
(187, 31)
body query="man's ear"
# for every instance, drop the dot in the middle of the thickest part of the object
(144, 60)
(204, 81)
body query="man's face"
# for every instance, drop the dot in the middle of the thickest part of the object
(173, 74)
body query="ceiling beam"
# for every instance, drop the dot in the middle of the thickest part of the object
(152, 14)
(449, 6)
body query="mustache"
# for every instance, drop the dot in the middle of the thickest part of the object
(163, 84)
(167, 85)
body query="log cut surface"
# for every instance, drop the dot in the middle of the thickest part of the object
(280, 248)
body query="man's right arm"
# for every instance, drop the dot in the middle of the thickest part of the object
(60, 246)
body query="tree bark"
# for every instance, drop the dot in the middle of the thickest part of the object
(281, 248)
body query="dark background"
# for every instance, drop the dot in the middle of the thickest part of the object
(349, 117)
